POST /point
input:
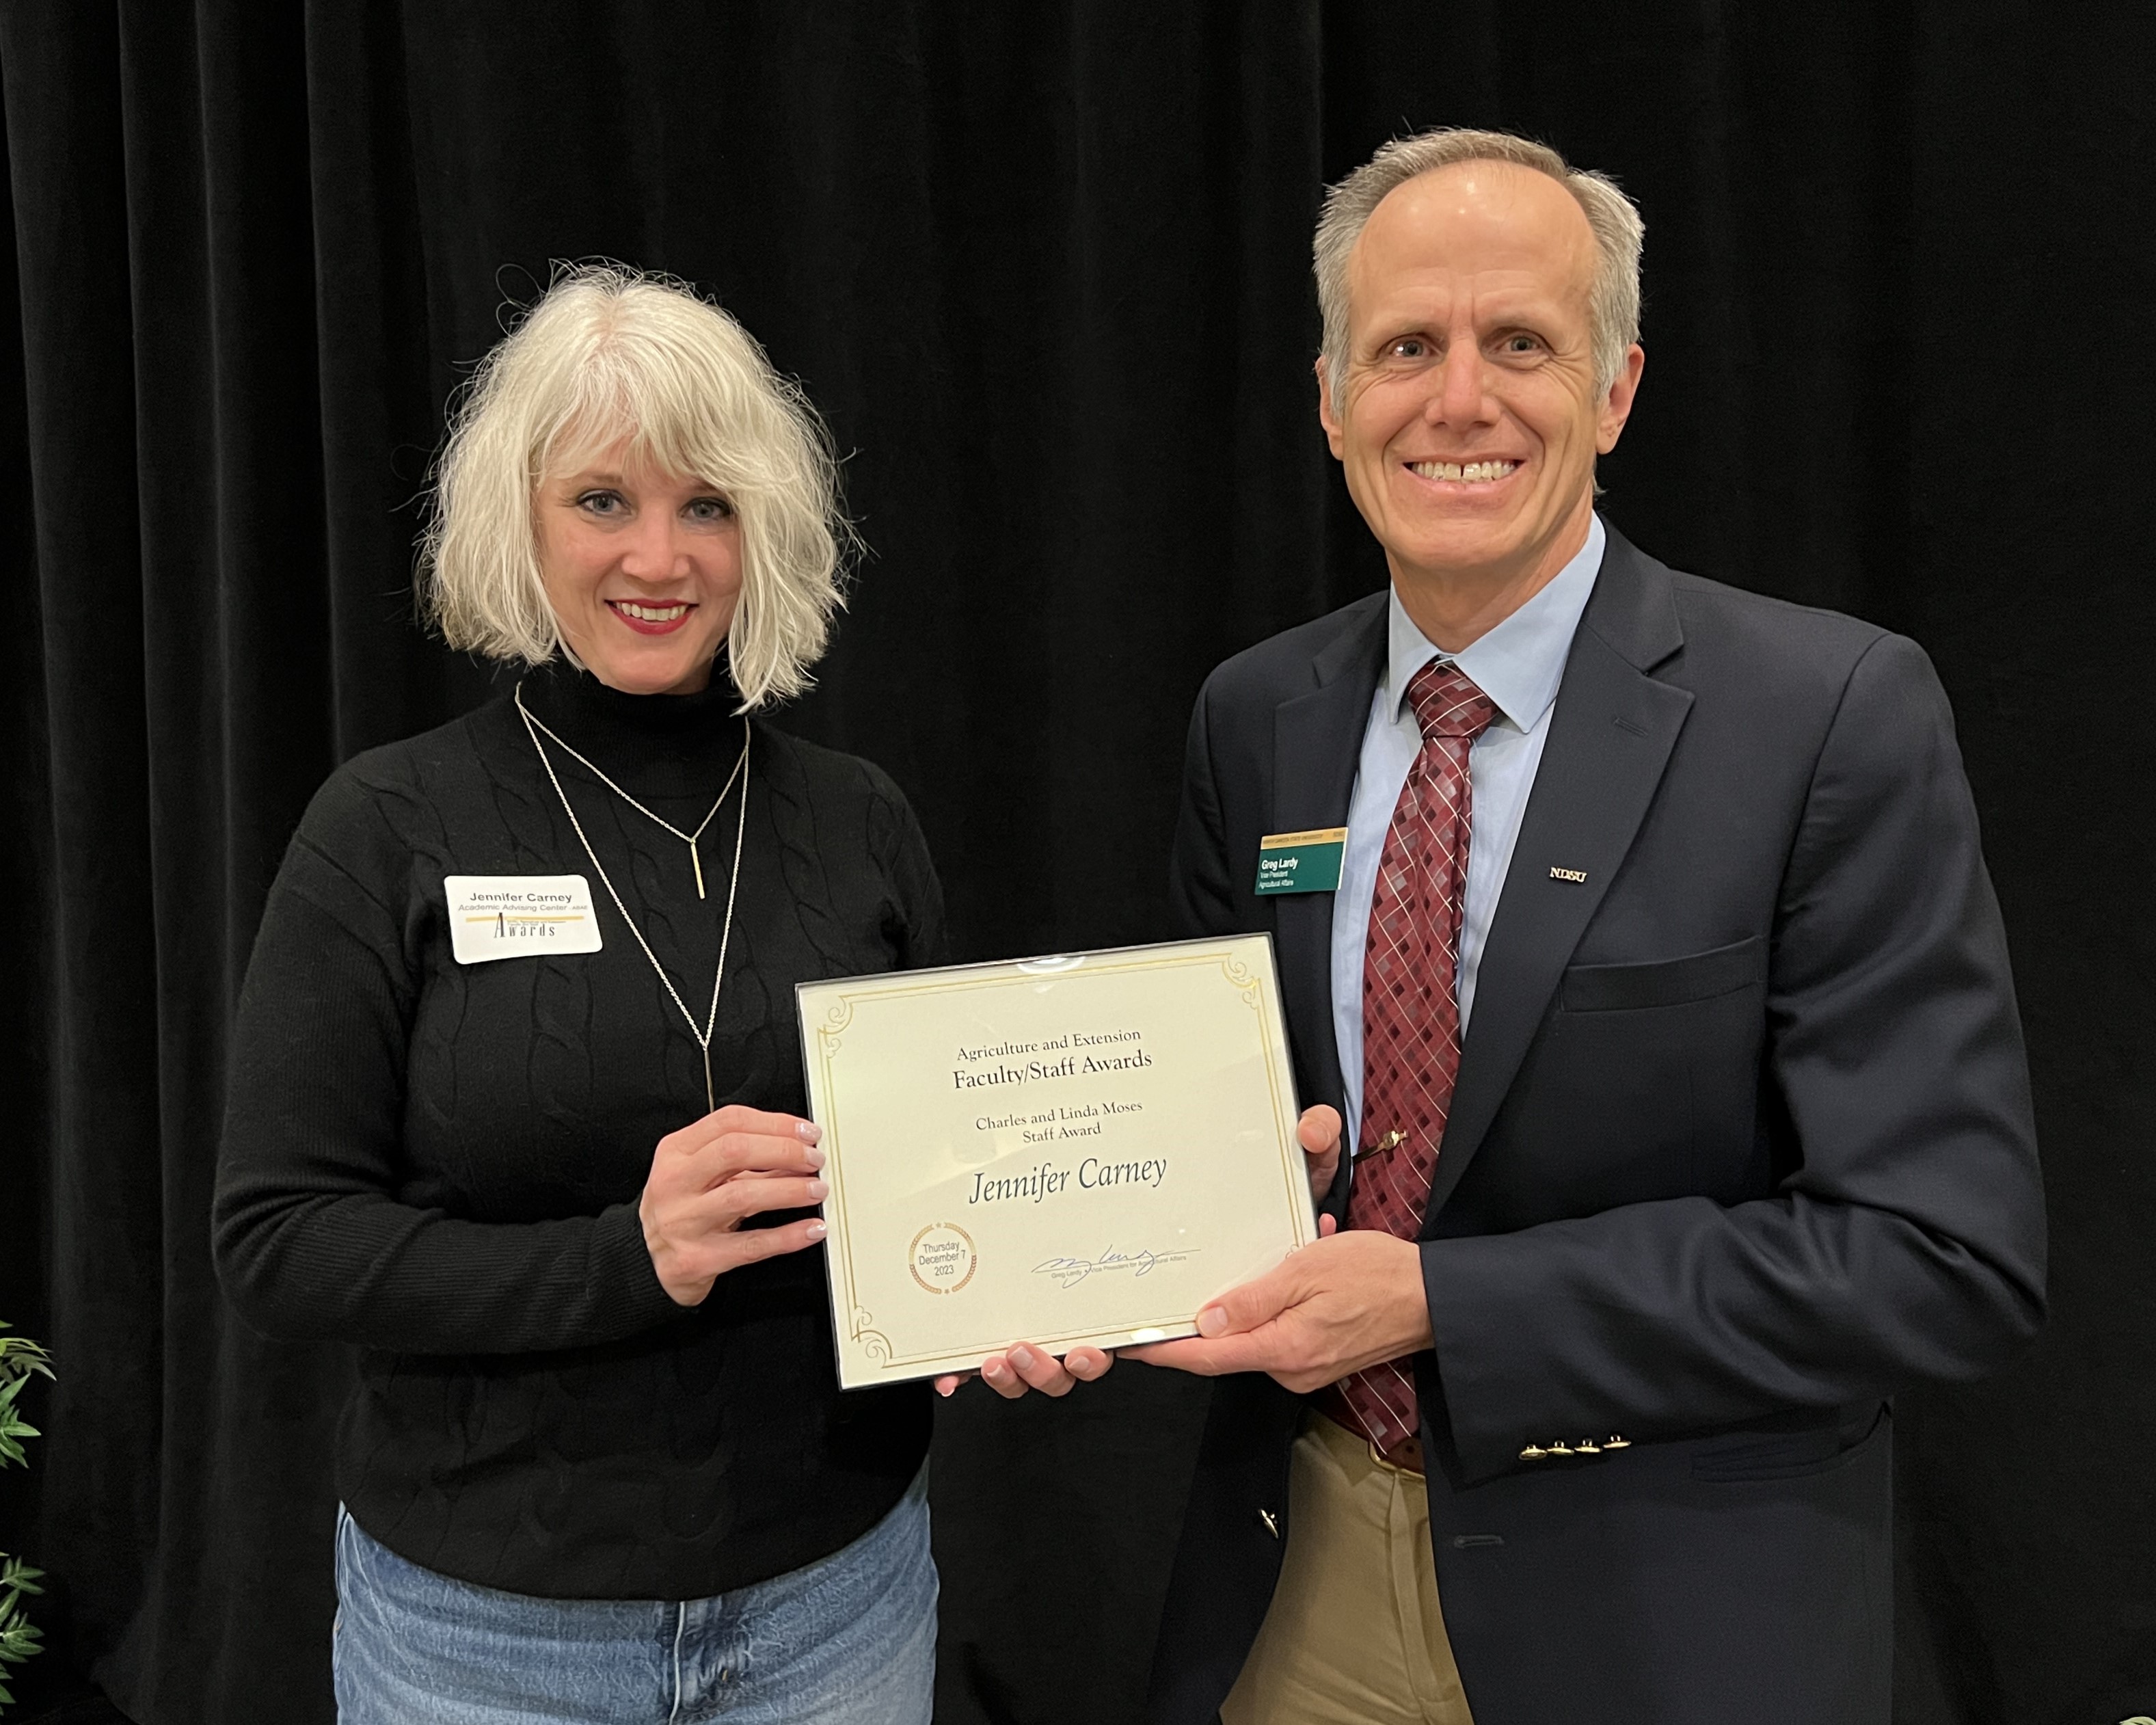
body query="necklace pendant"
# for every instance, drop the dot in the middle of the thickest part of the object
(697, 863)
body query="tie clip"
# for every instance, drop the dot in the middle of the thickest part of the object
(1384, 1146)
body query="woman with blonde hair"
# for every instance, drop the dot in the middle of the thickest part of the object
(516, 1095)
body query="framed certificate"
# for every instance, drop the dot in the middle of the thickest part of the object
(1079, 1150)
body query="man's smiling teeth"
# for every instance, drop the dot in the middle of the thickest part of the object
(1474, 473)
(651, 613)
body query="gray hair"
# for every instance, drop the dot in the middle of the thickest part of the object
(1613, 301)
(607, 352)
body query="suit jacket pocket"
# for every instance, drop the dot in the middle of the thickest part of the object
(1788, 1456)
(1666, 982)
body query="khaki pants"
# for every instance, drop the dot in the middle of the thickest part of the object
(1354, 1635)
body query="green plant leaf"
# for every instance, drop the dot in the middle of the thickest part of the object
(20, 1356)
(20, 1359)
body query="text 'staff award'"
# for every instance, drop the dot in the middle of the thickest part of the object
(1067, 1151)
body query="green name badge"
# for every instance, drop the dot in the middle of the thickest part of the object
(1301, 862)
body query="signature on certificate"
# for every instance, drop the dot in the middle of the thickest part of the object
(1069, 1272)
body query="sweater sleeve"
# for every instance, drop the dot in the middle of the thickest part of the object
(312, 1237)
(917, 932)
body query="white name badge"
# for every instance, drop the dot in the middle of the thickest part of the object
(520, 916)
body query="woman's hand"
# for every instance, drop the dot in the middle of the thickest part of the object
(713, 1174)
(1022, 1367)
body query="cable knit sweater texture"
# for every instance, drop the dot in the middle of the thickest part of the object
(441, 1163)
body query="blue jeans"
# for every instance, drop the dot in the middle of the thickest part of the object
(849, 1639)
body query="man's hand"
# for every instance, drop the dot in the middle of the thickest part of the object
(1318, 1133)
(1022, 1368)
(1341, 1303)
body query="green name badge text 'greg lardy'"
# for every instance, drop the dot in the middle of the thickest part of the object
(1301, 862)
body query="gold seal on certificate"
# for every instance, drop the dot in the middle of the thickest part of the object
(1067, 1151)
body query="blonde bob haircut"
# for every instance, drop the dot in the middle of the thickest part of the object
(608, 352)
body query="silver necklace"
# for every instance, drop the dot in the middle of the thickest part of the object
(532, 727)
(695, 861)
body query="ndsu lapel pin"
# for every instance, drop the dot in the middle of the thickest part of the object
(1576, 875)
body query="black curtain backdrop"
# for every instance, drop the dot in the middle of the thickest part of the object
(1043, 267)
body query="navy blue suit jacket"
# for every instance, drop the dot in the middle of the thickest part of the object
(1741, 1144)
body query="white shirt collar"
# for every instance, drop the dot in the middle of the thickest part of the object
(1518, 663)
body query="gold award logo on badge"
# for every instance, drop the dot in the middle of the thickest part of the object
(942, 1258)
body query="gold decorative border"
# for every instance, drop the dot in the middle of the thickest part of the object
(1251, 983)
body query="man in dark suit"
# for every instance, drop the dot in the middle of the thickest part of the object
(1665, 1000)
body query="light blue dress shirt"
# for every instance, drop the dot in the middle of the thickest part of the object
(1518, 665)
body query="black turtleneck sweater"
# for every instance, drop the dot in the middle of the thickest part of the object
(441, 1163)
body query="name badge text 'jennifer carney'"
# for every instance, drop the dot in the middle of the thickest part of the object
(519, 916)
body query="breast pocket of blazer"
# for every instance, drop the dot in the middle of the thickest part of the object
(1665, 981)
(1663, 1057)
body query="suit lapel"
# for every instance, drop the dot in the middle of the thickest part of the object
(1318, 744)
(1610, 737)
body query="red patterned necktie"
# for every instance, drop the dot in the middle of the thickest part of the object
(1411, 1011)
